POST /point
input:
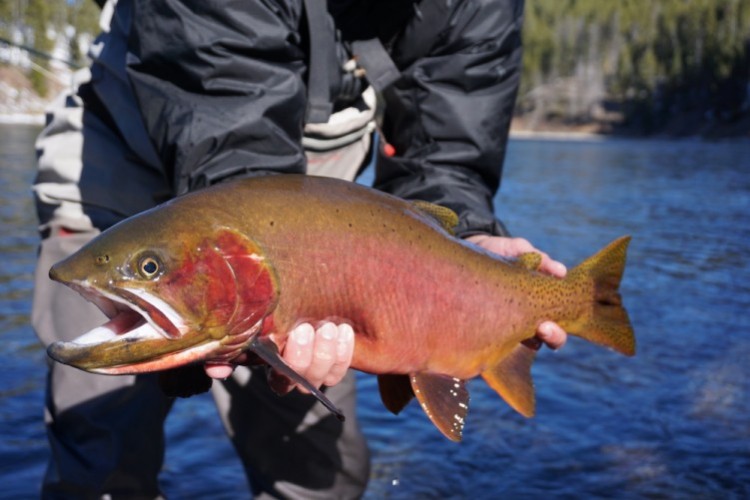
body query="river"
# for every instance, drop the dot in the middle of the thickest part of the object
(671, 422)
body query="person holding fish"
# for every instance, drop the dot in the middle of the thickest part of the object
(184, 95)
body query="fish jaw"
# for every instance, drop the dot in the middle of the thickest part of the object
(132, 341)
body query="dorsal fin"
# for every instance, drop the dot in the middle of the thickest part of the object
(444, 216)
(444, 399)
(529, 260)
(395, 392)
(511, 378)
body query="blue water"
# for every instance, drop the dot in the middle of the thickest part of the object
(672, 422)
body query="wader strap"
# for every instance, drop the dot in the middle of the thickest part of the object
(380, 70)
(322, 43)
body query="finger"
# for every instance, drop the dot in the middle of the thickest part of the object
(518, 246)
(552, 335)
(298, 352)
(219, 371)
(513, 247)
(344, 353)
(324, 354)
(501, 245)
(552, 267)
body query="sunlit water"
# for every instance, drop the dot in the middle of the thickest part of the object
(672, 422)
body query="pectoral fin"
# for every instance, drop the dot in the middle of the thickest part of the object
(511, 378)
(395, 392)
(268, 352)
(444, 399)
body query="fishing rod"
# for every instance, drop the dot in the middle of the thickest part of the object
(39, 53)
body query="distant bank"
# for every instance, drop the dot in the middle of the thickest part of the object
(20, 105)
(740, 132)
(21, 119)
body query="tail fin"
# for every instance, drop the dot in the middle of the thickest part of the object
(609, 324)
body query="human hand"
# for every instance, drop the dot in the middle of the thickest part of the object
(548, 332)
(322, 355)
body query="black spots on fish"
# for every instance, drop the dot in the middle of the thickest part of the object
(271, 223)
(516, 303)
(387, 228)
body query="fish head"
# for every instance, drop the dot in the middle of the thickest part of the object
(174, 293)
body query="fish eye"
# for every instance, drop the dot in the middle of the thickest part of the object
(149, 267)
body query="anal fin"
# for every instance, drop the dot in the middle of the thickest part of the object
(395, 392)
(444, 399)
(511, 378)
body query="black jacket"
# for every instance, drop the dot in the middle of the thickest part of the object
(221, 87)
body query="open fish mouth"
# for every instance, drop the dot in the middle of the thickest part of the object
(126, 321)
(142, 334)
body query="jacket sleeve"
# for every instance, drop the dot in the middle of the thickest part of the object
(220, 87)
(448, 116)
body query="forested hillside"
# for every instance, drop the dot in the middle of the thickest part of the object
(47, 26)
(641, 66)
(629, 66)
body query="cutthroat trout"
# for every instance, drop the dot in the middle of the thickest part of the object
(213, 273)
